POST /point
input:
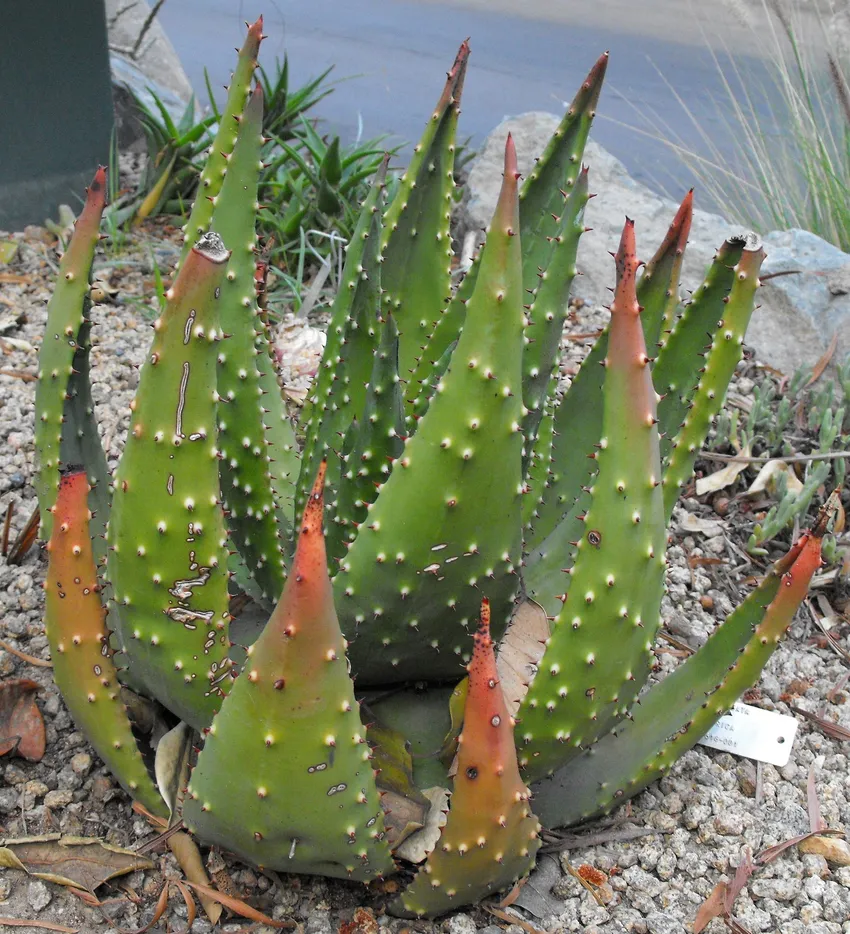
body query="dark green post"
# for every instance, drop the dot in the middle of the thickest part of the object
(56, 105)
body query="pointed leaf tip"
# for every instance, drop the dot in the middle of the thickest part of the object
(454, 84)
(257, 98)
(627, 265)
(511, 170)
(98, 183)
(684, 216)
(594, 80)
(314, 510)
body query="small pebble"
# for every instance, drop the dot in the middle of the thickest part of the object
(58, 799)
(39, 895)
(81, 763)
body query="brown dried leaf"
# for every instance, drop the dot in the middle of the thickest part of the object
(419, 843)
(816, 823)
(172, 767)
(724, 477)
(239, 907)
(690, 523)
(188, 856)
(823, 362)
(827, 726)
(29, 659)
(402, 817)
(713, 907)
(770, 854)
(520, 651)
(159, 911)
(21, 723)
(79, 862)
(768, 479)
(191, 910)
(24, 541)
(840, 521)
(527, 926)
(42, 925)
(719, 903)
(742, 874)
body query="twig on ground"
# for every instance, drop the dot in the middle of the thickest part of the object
(23, 655)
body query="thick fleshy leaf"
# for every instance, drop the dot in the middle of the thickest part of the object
(447, 521)
(65, 430)
(167, 562)
(491, 837)
(83, 666)
(303, 798)
(582, 687)
(677, 712)
(255, 525)
(416, 243)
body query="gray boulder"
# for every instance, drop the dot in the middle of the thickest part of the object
(800, 313)
(139, 67)
(618, 195)
(797, 315)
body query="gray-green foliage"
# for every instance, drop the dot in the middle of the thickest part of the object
(788, 420)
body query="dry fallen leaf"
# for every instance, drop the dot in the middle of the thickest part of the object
(724, 477)
(713, 907)
(711, 528)
(41, 925)
(79, 862)
(513, 919)
(823, 362)
(21, 723)
(239, 907)
(520, 651)
(768, 479)
(719, 903)
(172, 766)
(418, 845)
(188, 855)
(403, 816)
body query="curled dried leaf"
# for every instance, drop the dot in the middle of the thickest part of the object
(78, 862)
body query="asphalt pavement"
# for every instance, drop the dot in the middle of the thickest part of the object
(390, 57)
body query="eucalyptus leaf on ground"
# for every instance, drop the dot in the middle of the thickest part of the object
(78, 862)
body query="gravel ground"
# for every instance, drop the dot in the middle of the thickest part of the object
(698, 820)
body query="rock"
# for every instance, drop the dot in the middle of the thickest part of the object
(318, 921)
(833, 849)
(536, 894)
(661, 923)
(58, 799)
(81, 763)
(155, 66)
(617, 195)
(801, 313)
(461, 924)
(39, 895)
(796, 316)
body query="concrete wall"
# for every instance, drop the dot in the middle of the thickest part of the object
(56, 105)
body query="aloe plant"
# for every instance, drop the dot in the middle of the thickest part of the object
(465, 567)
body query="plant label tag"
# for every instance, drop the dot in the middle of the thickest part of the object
(754, 733)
